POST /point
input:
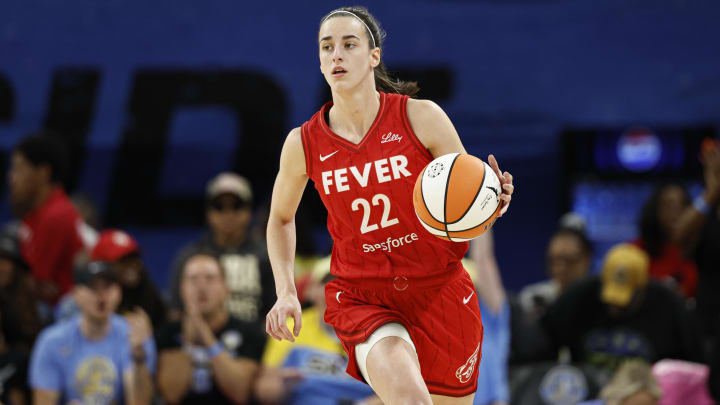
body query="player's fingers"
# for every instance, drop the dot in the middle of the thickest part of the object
(505, 207)
(494, 165)
(508, 188)
(268, 330)
(277, 332)
(270, 327)
(297, 319)
(275, 327)
(508, 177)
(282, 326)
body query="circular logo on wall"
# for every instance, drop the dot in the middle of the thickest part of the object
(639, 150)
(563, 385)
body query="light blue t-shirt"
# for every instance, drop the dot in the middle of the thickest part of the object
(325, 381)
(89, 371)
(493, 370)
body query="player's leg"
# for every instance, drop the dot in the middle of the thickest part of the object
(443, 400)
(389, 363)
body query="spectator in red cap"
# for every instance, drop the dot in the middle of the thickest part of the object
(122, 251)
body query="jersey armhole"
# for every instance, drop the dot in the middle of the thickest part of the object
(408, 127)
(306, 149)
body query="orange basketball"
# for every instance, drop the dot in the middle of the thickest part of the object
(457, 197)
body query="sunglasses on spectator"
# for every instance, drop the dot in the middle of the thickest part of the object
(234, 206)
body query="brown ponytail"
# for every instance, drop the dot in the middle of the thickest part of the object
(383, 80)
(386, 83)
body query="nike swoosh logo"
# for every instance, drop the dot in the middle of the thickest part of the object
(324, 158)
(337, 296)
(466, 300)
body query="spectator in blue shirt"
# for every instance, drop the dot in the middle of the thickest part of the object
(97, 357)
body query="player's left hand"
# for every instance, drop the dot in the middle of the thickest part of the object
(506, 182)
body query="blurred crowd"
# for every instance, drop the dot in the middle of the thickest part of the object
(83, 322)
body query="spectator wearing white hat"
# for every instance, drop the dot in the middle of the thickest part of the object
(248, 274)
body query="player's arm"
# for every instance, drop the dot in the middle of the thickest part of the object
(433, 127)
(287, 192)
(437, 133)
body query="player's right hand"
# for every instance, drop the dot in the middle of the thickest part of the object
(286, 306)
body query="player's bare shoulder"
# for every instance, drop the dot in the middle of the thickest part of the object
(292, 158)
(433, 127)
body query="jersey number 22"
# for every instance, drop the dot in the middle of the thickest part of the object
(384, 221)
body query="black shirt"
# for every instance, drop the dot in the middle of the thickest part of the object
(241, 339)
(247, 273)
(707, 258)
(659, 328)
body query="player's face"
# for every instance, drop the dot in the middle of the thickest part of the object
(566, 260)
(203, 286)
(99, 300)
(345, 55)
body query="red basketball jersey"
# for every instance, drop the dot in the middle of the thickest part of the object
(367, 189)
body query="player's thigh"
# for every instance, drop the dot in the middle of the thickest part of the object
(443, 400)
(394, 372)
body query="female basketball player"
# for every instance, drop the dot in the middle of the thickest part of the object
(402, 305)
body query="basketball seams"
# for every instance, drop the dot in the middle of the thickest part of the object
(472, 202)
(492, 214)
(433, 180)
(422, 196)
(447, 187)
(468, 222)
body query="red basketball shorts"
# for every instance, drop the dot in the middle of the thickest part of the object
(441, 314)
